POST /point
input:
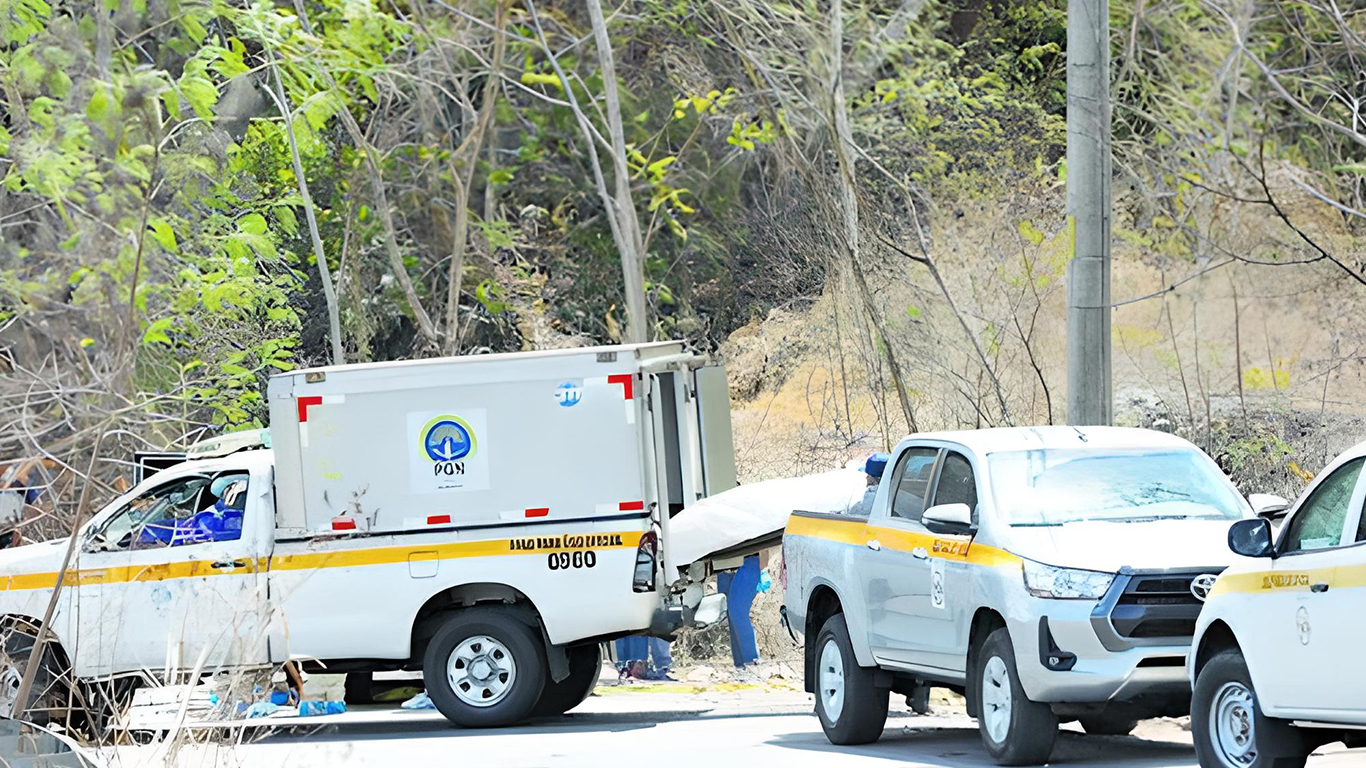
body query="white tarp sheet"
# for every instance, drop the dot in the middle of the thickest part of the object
(758, 509)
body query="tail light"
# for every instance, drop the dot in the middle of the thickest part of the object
(647, 556)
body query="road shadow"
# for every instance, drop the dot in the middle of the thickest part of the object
(962, 748)
(424, 726)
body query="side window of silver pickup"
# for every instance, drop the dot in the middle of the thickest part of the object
(957, 485)
(913, 476)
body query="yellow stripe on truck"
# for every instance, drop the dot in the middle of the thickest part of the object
(343, 558)
(859, 533)
(1286, 580)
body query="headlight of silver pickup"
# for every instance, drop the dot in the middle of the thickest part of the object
(1065, 583)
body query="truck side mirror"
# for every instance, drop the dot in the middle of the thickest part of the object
(1268, 505)
(948, 518)
(1251, 538)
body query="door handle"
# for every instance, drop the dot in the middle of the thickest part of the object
(225, 564)
(875, 545)
(919, 553)
(1318, 588)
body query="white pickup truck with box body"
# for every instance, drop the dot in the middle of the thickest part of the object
(1044, 572)
(488, 520)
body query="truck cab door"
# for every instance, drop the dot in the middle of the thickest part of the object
(173, 578)
(894, 565)
(1309, 626)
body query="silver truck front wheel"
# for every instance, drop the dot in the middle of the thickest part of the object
(481, 671)
(996, 699)
(830, 678)
(1015, 730)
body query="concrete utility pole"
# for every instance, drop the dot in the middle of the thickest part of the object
(1089, 394)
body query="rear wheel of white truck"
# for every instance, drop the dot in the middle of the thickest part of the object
(851, 708)
(1015, 730)
(585, 665)
(485, 668)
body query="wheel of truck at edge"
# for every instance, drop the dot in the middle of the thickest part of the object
(1015, 730)
(1228, 726)
(851, 707)
(585, 664)
(16, 645)
(485, 668)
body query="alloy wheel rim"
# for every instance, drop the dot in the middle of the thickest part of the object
(831, 680)
(1233, 725)
(996, 699)
(481, 671)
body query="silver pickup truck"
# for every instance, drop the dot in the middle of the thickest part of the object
(1050, 574)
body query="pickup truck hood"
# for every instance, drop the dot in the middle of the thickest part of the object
(1102, 546)
(43, 557)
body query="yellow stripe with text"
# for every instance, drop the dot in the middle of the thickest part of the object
(337, 558)
(1286, 580)
(859, 533)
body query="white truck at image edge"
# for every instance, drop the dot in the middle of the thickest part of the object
(1045, 572)
(488, 520)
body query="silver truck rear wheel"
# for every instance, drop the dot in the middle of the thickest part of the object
(830, 678)
(1015, 730)
(852, 708)
(485, 668)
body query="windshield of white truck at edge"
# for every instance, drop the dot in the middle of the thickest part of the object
(1053, 487)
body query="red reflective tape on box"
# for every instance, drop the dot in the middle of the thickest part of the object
(632, 506)
(438, 519)
(627, 382)
(305, 403)
(538, 512)
(343, 524)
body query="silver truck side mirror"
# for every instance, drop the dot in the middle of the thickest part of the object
(1252, 538)
(1268, 505)
(948, 518)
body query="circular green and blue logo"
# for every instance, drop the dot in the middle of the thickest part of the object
(448, 438)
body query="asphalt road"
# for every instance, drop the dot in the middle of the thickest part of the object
(672, 726)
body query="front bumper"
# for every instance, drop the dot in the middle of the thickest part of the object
(1129, 645)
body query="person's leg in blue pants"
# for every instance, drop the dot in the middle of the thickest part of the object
(631, 649)
(740, 589)
(659, 651)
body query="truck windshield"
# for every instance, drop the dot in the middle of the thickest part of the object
(1053, 487)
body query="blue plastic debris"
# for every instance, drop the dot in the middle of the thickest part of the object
(311, 708)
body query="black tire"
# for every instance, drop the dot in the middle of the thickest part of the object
(1103, 725)
(861, 709)
(1031, 729)
(359, 688)
(512, 693)
(46, 693)
(1276, 743)
(585, 664)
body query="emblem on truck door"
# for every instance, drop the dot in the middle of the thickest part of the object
(1201, 586)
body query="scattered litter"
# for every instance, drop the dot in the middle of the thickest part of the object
(312, 708)
(420, 701)
(262, 709)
